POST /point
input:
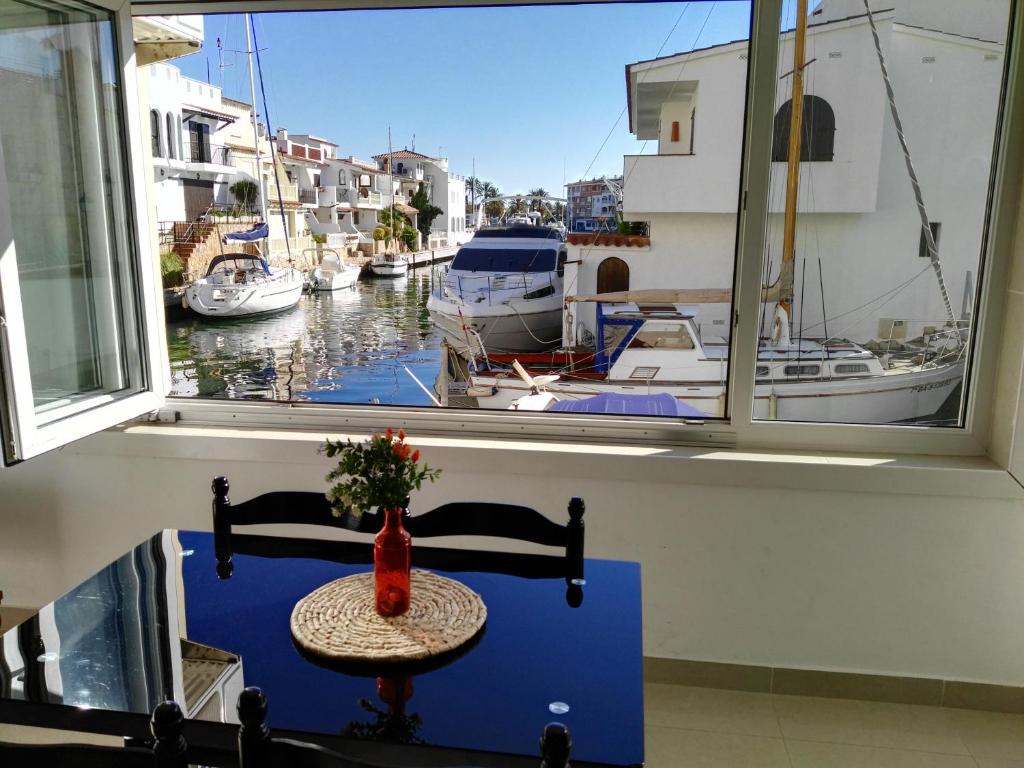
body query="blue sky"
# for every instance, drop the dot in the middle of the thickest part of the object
(530, 93)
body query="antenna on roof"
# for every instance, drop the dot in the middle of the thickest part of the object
(414, 142)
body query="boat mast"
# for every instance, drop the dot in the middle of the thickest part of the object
(255, 129)
(796, 114)
(391, 187)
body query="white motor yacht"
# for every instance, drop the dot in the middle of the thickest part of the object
(503, 290)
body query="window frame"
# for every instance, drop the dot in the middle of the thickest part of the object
(738, 428)
(27, 434)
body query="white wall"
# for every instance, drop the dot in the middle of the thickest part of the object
(740, 563)
(865, 228)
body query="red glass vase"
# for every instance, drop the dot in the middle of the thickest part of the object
(392, 560)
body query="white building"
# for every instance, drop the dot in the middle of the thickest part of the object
(858, 214)
(444, 189)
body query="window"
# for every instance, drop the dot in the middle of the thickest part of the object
(851, 368)
(836, 282)
(819, 128)
(78, 353)
(170, 136)
(700, 246)
(802, 370)
(154, 129)
(936, 228)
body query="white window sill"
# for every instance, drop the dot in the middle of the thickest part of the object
(946, 476)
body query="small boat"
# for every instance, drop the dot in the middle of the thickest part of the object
(503, 288)
(241, 284)
(333, 273)
(389, 265)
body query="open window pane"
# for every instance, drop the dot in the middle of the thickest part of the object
(874, 246)
(568, 246)
(69, 283)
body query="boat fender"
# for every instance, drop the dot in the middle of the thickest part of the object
(482, 391)
(780, 327)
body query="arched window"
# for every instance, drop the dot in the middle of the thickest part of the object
(612, 275)
(154, 129)
(170, 135)
(819, 128)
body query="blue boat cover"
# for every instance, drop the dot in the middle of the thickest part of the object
(258, 232)
(630, 405)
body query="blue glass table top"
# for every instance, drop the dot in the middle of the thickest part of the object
(109, 644)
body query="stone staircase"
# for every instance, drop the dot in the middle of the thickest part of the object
(189, 235)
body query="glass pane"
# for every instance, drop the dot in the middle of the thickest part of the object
(62, 163)
(551, 218)
(871, 269)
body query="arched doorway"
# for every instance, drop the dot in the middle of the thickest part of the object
(612, 275)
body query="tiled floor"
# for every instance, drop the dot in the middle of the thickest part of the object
(708, 728)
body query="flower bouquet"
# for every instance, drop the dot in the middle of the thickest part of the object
(380, 472)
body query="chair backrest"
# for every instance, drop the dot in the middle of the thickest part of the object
(257, 748)
(168, 749)
(454, 519)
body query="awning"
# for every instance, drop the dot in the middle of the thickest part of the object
(408, 210)
(188, 111)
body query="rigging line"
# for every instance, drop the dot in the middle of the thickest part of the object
(627, 174)
(668, 37)
(273, 145)
(839, 334)
(926, 229)
(824, 314)
(881, 296)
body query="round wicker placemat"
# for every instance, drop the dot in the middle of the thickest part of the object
(340, 620)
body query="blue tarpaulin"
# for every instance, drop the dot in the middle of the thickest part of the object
(258, 232)
(630, 405)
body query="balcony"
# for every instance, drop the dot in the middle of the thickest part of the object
(199, 152)
(367, 198)
(308, 196)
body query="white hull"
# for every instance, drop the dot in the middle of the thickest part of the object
(272, 294)
(390, 269)
(913, 393)
(336, 281)
(501, 329)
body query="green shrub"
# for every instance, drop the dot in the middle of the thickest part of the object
(321, 239)
(171, 270)
(381, 233)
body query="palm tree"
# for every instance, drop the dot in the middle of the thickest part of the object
(517, 206)
(488, 191)
(538, 205)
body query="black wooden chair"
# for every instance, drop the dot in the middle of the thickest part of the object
(168, 749)
(453, 519)
(258, 749)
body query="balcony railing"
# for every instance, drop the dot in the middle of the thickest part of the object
(308, 196)
(200, 152)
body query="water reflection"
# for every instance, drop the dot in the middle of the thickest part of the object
(347, 346)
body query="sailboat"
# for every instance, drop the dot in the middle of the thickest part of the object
(239, 284)
(391, 263)
(647, 343)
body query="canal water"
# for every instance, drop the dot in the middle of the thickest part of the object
(349, 346)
